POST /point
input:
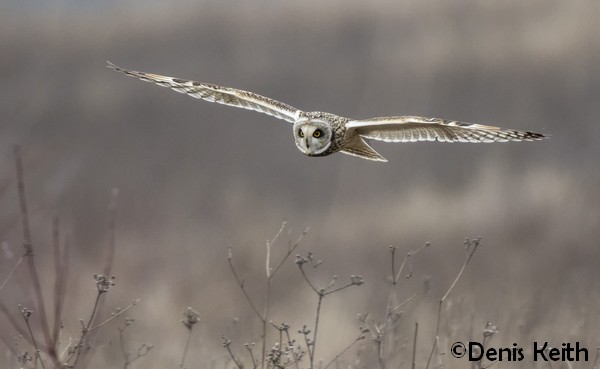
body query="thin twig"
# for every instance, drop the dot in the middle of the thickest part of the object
(185, 350)
(338, 289)
(103, 285)
(270, 273)
(58, 284)
(269, 244)
(314, 288)
(265, 316)
(26, 313)
(321, 293)
(414, 352)
(471, 247)
(240, 283)
(142, 350)
(404, 302)
(57, 274)
(393, 252)
(380, 359)
(122, 346)
(396, 275)
(227, 344)
(291, 248)
(117, 314)
(112, 244)
(460, 273)
(190, 318)
(85, 330)
(311, 353)
(61, 294)
(14, 323)
(435, 344)
(251, 353)
(296, 356)
(12, 271)
(22, 200)
(66, 350)
(408, 255)
(359, 338)
(307, 342)
(28, 245)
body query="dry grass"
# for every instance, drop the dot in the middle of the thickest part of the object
(288, 350)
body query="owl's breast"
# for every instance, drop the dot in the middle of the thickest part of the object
(338, 137)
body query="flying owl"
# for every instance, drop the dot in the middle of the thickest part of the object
(321, 134)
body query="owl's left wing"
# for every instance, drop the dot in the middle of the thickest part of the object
(222, 95)
(412, 129)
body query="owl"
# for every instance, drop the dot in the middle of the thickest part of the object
(321, 134)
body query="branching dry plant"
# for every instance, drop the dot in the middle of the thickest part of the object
(382, 332)
(287, 351)
(53, 350)
(190, 318)
(471, 247)
(321, 292)
(40, 341)
(270, 273)
(129, 357)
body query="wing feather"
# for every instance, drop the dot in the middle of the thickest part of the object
(222, 95)
(358, 147)
(413, 129)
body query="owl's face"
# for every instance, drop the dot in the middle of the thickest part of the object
(313, 137)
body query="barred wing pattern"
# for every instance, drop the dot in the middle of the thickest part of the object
(413, 129)
(222, 95)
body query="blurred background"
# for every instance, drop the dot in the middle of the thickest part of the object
(196, 178)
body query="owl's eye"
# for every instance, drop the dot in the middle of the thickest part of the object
(317, 133)
(300, 133)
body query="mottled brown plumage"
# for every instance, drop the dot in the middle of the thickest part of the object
(322, 134)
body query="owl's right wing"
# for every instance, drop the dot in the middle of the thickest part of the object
(412, 129)
(222, 95)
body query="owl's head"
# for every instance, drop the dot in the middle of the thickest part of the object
(313, 137)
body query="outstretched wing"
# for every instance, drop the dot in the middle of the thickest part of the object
(222, 95)
(412, 129)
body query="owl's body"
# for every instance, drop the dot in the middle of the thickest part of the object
(322, 134)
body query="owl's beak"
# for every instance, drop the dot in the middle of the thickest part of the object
(306, 142)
